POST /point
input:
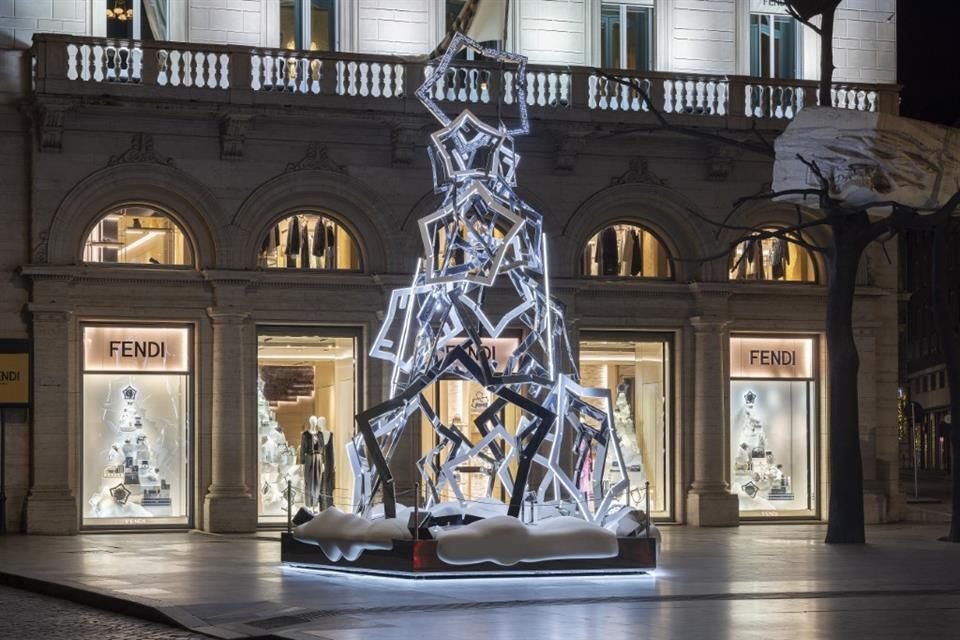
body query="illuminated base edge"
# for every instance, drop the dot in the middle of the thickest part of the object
(418, 559)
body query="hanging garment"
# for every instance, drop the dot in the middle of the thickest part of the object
(587, 260)
(331, 247)
(293, 241)
(741, 264)
(758, 270)
(327, 476)
(319, 240)
(780, 258)
(455, 238)
(636, 259)
(311, 457)
(305, 246)
(626, 252)
(607, 256)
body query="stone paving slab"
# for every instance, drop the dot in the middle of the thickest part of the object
(778, 578)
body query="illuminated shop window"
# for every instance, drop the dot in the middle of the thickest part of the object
(138, 19)
(772, 259)
(626, 36)
(307, 383)
(637, 373)
(309, 241)
(308, 24)
(627, 251)
(137, 235)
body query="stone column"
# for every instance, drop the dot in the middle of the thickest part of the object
(229, 506)
(709, 502)
(52, 502)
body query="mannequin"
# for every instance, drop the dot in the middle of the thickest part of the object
(311, 457)
(326, 476)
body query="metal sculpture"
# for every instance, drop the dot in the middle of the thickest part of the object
(481, 235)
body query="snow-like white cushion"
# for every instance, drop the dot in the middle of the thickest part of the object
(507, 541)
(345, 535)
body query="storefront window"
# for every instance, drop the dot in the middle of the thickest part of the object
(772, 259)
(136, 417)
(627, 251)
(137, 235)
(309, 241)
(307, 386)
(636, 370)
(773, 395)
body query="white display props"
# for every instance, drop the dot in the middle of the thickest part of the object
(868, 157)
(345, 535)
(484, 234)
(507, 541)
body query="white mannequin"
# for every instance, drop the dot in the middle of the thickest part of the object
(321, 426)
(313, 423)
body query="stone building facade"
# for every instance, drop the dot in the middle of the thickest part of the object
(219, 149)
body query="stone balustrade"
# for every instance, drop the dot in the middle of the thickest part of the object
(78, 66)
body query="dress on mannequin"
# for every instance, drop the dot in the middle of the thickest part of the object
(311, 457)
(326, 476)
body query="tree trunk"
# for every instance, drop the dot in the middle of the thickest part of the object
(846, 524)
(950, 348)
(826, 57)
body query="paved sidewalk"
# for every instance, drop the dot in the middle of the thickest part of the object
(759, 581)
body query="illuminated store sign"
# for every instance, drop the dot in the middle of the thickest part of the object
(496, 350)
(771, 357)
(135, 349)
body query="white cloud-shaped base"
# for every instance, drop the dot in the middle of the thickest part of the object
(507, 541)
(345, 535)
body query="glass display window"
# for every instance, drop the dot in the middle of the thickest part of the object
(307, 397)
(136, 417)
(625, 251)
(777, 259)
(309, 241)
(137, 235)
(636, 370)
(773, 409)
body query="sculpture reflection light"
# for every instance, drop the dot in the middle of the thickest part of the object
(483, 234)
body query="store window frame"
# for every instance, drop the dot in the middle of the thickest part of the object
(303, 25)
(138, 24)
(358, 333)
(191, 436)
(336, 218)
(620, 13)
(815, 430)
(769, 20)
(669, 340)
(662, 246)
(188, 238)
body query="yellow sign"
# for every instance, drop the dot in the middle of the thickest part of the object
(771, 357)
(14, 379)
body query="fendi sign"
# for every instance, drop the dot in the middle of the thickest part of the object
(14, 373)
(135, 349)
(771, 357)
(768, 6)
(494, 349)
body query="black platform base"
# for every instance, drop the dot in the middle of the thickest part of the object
(418, 559)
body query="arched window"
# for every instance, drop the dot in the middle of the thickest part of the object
(309, 241)
(138, 234)
(626, 251)
(777, 259)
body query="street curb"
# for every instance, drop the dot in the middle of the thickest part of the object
(171, 616)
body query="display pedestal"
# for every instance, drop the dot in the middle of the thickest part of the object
(418, 559)
(229, 514)
(712, 509)
(51, 513)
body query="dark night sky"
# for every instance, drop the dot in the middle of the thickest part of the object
(928, 59)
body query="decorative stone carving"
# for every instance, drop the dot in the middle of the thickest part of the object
(569, 144)
(719, 162)
(638, 171)
(233, 133)
(141, 151)
(403, 142)
(48, 120)
(869, 157)
(317, 158)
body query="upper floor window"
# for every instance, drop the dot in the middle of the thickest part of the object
(772, 259)
(625, 250)
(309, 241)
(626, 36)
(308, 24)
(774, 46)
(137, 235)
(138, 19)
